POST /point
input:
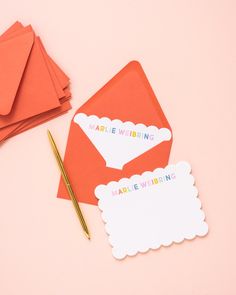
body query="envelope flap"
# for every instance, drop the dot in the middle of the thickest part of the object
(128, 96)
(14, 54)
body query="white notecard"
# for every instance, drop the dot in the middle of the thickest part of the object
(151, 210)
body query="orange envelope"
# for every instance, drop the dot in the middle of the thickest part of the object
(32, 122)
(126, 97)
(12, 67)
(23, 55)
(36, 93)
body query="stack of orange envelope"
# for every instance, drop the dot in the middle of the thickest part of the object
(33, 88)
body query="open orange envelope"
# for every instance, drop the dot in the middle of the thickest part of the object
(119, 132)
(33, 88)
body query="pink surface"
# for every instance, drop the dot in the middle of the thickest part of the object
(187, 49)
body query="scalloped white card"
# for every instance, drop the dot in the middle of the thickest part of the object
(120, 142)
(151, 210)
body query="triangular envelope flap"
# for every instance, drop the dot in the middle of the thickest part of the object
(13, 28)
(14, 54)
(129, 97)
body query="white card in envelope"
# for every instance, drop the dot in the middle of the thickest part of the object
(151, 210)
(120, 142)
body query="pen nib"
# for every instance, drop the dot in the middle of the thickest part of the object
(87, 235)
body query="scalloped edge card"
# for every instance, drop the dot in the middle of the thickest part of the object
(151, 210)
(120, 142)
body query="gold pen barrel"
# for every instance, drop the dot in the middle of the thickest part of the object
(68, 185)
(78, 210)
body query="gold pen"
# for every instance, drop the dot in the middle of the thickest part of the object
(68, 185)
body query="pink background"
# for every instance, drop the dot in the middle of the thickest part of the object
(188, 51)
